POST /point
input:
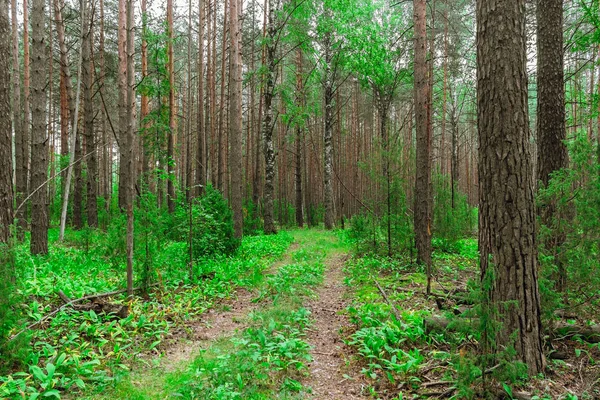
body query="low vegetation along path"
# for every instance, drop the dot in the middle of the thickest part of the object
(281, 338)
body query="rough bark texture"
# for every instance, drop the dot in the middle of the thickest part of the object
(327, 136)
(269, 192)
(235, 118)
(22, 142)
(422, 212)
(507, 236)
(39, 149)
(88, 124)
(6, 183)
(16, 101)
(551, 130)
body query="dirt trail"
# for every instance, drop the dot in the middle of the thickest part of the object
(329, 352)
(222, 321)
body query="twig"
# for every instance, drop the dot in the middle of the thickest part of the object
(387, 300)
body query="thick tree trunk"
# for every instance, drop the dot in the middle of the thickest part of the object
(327, 135)
(422, 212)
(6, 168)
(145, 101)
(269, 191)
(221, 134)
(551, 129)
(87, 77)
(235, 118)
(507, 234)
(39, 149)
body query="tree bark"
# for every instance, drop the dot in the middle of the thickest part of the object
(87, 77)
(299, 138)
(235, 118)
(201, 139)
(129, 138)
(327, 134)
(269, 222)
(507, 234)
(551, 129)
(23, 149)
(39, 149)
(16, 111)
(6, 168)
(172, 121)
(122, 81)
(422, 212)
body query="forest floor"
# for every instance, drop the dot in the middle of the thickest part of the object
(305, 314)
(307, 283)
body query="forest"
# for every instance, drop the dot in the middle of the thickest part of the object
(300, 199)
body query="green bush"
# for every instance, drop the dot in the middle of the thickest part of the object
(212, 225)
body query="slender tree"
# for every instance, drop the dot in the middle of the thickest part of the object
(39, 148)
(22, 142)
(172, 120)
(6, 181)
(422, 211)
(235, 117)
(87, 78)
(328, 94)
(201, 139)
(16, 114)
(507, 234)
(268, 125)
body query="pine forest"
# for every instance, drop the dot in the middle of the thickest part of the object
(300, 199)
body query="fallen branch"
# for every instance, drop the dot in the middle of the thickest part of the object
(387, 300)
(71, 303)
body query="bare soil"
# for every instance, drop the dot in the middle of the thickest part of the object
(332, 372)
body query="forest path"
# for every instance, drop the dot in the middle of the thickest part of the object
(331, 373)
(220, 322)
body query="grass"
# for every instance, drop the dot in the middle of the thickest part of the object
(78, 349)
(267, 359)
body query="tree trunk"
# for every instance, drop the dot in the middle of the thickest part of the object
(235, 118)
(507, 234)
(17, 117)
(327, 134)
(269, 222)
(145, 101)
(6, 181)
(551, 129)
(221, 134)
(24, 146)
(299, 129)
(172, 121)
(87, 78)
(122, 81)
(129, 138)
(39, 149)
(201, 139)
(422, 212)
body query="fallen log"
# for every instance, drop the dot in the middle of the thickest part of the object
(589, 333)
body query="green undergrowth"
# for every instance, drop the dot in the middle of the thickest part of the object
(388, 335)
(268, 358)
(77, 348)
